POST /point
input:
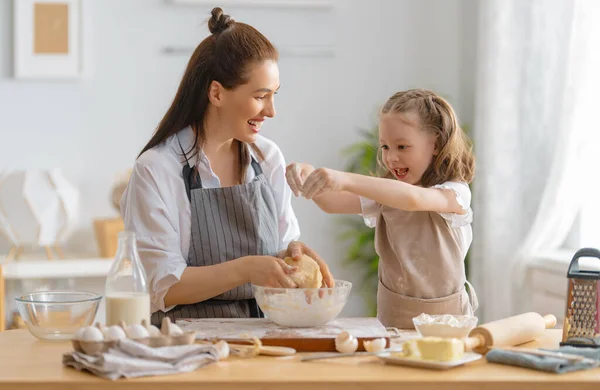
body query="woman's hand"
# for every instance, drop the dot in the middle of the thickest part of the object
(323, 180)
(268, 271)
(295, 174)
(296, 249)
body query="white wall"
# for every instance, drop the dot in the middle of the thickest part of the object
(95, 127)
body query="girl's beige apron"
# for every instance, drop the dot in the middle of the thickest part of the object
(421, 268)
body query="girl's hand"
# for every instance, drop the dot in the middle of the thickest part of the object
(268, 271)
(296, 174)
(322, 180)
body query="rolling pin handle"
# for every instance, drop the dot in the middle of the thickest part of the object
(474, 342)
(550, 321)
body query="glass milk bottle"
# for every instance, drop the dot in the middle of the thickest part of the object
(126, 291)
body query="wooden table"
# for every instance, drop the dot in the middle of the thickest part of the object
(27, 363)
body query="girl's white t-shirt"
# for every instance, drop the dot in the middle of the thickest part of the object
(461, 222)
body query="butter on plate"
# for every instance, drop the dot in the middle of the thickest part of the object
(434, 348)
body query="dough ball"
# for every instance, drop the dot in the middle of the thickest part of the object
(308, 273)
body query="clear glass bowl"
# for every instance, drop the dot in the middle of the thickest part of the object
(444, 325)
(302, 307)
(57, 315)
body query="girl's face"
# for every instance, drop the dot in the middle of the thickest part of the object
(245, 108)
(407, 149)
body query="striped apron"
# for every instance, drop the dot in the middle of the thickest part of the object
(227, 223)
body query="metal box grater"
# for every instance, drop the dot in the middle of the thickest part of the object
(582, 319)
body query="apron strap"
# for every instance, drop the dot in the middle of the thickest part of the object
(257, 169)
(192, 179)
(190, 174)
(472, 296)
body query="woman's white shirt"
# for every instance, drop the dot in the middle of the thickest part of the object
(155, 206)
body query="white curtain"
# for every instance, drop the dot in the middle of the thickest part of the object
(535, 131)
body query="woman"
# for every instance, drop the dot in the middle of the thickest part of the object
(207, 198)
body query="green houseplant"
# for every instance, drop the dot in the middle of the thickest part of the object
(359, 238)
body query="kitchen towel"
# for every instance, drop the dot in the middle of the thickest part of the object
(545, 363)
(131, 359)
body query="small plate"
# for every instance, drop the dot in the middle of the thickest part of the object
(395, 358)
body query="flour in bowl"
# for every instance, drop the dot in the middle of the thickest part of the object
(446, 325)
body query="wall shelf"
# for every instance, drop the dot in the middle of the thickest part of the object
(286, 51)
(56, 269)
(81, 268)
(307, 4)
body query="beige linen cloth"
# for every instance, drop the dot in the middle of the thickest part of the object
(131, 359)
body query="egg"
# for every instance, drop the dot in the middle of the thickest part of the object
(175, 330)
(222, 349)
(79, 334)
(153, 331)
(170, 329)
(137, 331)
(346, 343)
(90, 333)
(114, 333)
(375, 345)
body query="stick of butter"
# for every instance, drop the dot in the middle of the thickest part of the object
(410, 349)
(434, 348)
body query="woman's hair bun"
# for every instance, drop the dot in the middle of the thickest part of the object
(219, 22)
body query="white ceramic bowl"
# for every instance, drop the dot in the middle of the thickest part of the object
(302, 307)
(446, 325)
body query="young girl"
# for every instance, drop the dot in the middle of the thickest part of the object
(420, 209)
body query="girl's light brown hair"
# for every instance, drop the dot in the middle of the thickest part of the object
(226, 56)
(455, 160)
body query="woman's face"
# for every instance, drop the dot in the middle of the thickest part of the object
(245, 108)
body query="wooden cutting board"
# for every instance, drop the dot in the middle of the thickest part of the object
(318, 339)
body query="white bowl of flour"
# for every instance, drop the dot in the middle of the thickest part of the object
(302, 307)
(445, 325)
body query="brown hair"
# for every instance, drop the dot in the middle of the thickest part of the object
(455, 160)
(226, 56)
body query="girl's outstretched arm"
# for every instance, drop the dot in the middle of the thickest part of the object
(338, 202)
(392, 193)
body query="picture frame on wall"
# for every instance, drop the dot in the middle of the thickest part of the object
(47, 39)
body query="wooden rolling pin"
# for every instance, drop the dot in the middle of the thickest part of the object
(508, 332)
